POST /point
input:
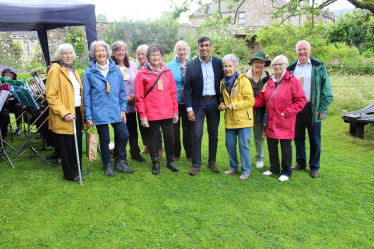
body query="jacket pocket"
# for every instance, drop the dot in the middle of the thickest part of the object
(248, 116)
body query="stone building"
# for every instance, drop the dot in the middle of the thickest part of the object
(254, 14)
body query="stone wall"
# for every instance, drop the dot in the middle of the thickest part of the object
(30, 43)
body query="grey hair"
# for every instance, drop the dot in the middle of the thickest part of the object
(142, 46)
(231, 57)
(101, 43)
(302, 41)
(181, 42)
(285, 59)
(62, 48)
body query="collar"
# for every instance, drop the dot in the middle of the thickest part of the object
(308, 62)
(250, 73)
(101, 68)
(273, 76)
(201, 61)
(63, 65)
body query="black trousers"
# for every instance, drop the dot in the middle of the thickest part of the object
(286, 150)
(132, 127)
(144, 132)
(67, 149)
(4, 122)
(14, 106)
(187, 133)
(168, 134)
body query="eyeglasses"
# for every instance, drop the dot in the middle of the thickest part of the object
(155, 55)
(278, 65)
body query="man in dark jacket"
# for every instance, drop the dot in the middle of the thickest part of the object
(313, 77)
(202, 97)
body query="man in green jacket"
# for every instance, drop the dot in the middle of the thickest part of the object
(312, 75)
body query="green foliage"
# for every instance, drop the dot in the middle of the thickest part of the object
(162, 31)
(76, 37)
(222, 37)
(351, 29)
(101, 17)
(281, 39)
(38, 59)
(17, 49)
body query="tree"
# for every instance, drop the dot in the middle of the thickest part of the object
(101, 17)
(290, 9)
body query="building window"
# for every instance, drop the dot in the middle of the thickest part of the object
(241, 17)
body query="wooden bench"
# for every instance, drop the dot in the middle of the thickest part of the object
(358, 119)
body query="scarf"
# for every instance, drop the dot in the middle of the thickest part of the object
(156, 70)
(229, 81)
(68, 67)
(102, 68)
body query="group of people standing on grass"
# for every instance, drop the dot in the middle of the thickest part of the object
(161, 96)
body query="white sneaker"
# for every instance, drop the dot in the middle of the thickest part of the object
(259, 165)
(230, 172)
(283, 178)
(267, 173)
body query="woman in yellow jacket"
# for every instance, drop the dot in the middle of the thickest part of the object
(237, 101)
(64, 92)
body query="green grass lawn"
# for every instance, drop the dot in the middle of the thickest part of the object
(175, 210)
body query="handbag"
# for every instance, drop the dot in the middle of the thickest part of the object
(91, 146)
(153, 86)
(265, 117)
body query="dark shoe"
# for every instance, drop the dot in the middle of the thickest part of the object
(76, 179)
(122, 166)
(297, 167)
(53, 156)
(108, 169)
(314, 174)
(57, 163)
(39, 137)
(155, 168)
(138, 158)
(84, 173)
(18, 132)
(170, 165)
(214, 168)
(194, 171)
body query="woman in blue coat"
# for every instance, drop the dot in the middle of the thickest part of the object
(105, 103)
(178, 68)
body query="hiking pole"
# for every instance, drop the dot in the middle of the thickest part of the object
(76, 149)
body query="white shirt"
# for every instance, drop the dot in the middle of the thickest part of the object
(77, 89)
(306, 72)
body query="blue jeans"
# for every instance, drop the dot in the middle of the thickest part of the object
(304, 121)
(208, 108)
(122, 136)
(244, 135)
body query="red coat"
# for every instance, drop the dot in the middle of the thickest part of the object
(159, 104)
(289, 99)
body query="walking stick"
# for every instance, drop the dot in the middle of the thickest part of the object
(76, 149)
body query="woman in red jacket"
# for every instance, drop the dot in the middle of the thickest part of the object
(157, 105)
(283, 97)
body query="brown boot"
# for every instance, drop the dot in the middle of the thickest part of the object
(145, 151)
(160, 153)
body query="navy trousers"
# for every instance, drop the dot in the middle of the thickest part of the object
(209, 109)
(304, 121)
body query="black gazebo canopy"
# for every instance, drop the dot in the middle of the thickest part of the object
(43, 15)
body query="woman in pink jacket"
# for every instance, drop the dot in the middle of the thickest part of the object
(283, 97)
(157, 105)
